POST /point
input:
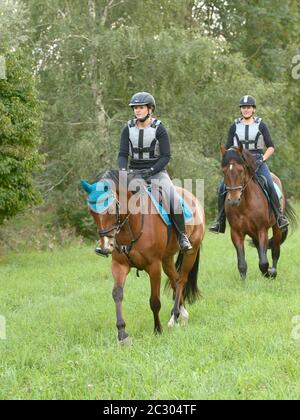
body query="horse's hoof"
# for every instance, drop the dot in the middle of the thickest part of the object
(184, 316)
(172, 322)
(184, 322)
(123, 338)
(126, 342)
(272, 273)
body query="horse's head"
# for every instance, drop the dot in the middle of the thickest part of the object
(104, 206)
(237, 165)
(109, 201)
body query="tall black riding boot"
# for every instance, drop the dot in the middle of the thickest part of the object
(282, 221)
(178, 221)
(219, 225)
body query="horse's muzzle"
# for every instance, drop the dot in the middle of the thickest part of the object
(102, 253)
(105, 247)
(234, 203)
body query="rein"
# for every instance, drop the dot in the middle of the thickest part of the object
(118, 226)
(240, 187)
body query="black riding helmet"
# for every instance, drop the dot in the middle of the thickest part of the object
(143, 98)
(248, 100)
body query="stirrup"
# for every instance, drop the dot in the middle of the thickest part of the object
(184, 243)
(217, 228)
(282, 222)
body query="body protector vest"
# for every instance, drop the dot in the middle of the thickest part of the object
(143, 144)
(249, 136)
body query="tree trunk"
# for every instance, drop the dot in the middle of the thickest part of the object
(96, 86)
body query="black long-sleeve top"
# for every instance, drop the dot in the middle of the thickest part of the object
(158, 165)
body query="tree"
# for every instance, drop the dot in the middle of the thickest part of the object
(266, 33)
(92, 55)
(20, 118)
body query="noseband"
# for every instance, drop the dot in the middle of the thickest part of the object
(239, 187)
(117, 227)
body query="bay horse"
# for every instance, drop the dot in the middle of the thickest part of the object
(140, 239)
(248, 212)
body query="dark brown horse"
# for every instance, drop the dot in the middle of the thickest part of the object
(139, 239)
(248, 212)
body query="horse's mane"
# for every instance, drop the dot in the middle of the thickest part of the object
(244, 158)
(112, 174)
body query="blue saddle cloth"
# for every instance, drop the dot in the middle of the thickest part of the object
(188, 215)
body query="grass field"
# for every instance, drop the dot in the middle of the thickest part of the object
(61, 336)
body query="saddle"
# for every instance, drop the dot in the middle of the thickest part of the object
(262, 182)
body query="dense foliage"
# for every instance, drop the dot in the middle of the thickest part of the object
(196, 57)
(20, 118)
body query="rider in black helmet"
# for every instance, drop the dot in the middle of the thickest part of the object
(145, 143)
(253, 134)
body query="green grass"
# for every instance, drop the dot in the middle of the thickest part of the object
(61, 335)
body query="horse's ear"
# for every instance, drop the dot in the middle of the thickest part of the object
(86, 186)
(223, 149)
(241, 148)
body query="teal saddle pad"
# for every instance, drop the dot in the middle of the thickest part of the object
(188, 215)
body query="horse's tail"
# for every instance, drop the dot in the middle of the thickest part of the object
(191, 293)
(292, 217)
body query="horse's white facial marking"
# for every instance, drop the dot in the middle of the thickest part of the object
(106, 242)
(231, 167)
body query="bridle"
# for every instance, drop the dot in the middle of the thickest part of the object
(117, 228)
(239, 187)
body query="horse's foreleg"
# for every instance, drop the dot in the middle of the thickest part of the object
(155, 281)
(119, 273)
(263, 241)
(238, 241)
